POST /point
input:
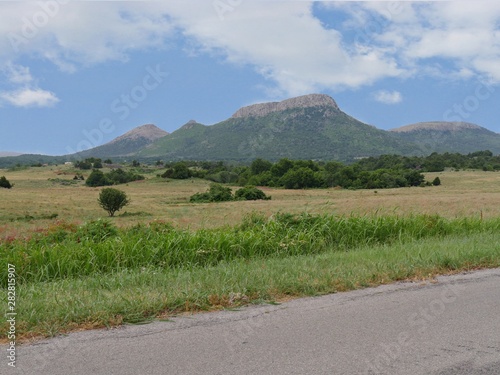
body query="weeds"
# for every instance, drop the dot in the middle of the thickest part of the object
(98, 247)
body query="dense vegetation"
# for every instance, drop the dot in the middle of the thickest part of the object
(301, 174)
(219, 193)
(386, 171)
(98, 247)
(114, 177)
(481, 160)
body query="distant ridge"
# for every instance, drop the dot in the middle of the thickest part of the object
(4, 154)
(437, 126)
(305, 101)
(441, 136)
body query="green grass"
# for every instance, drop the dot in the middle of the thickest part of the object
(99, 248)
(139, 295)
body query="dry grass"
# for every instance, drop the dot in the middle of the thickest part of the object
(465, 193)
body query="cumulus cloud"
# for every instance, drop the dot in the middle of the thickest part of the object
(82, 33)
(388, 97)
(285, 42)
(28, 97)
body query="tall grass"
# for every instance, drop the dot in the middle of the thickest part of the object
(98, 247)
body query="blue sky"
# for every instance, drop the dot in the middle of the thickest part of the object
(75, 75)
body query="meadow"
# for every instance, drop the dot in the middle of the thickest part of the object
(161, 255)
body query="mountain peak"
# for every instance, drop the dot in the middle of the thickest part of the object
(190, 124)
(148, 132)
(438, 126)
(305, 101)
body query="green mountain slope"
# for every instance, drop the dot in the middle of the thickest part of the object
(127, 144)
(309, 127)
(461, 137)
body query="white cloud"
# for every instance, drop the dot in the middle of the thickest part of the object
(28, 97)
(17, 74)
(388, 97)
(82, 33)
(283, 41)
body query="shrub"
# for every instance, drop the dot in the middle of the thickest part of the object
(216, 193)
(112, 200)
(97, 178)
(436, 181)
(5, 183)
(250, 193)
(179, 171)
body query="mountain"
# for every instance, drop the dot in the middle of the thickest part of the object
(128, 144)
(306, 127)
(461, 137)
(4, 154)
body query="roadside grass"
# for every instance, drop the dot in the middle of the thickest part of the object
(99, 247)
(131, 296)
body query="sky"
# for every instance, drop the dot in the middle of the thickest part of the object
(77, 74)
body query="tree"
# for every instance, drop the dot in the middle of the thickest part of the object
(259, 165)
(112, 200)
(179, 171)
(98, 163)
(5, 183)
(97, 178)
(299, 179)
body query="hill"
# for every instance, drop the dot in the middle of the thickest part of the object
(4, 154)
(306, 127)
(127, 144)
(461, 137)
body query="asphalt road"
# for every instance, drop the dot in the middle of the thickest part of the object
(451, 327)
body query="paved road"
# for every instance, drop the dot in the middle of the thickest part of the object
(451, 327)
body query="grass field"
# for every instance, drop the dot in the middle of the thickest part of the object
(462, 194)
(170, 256)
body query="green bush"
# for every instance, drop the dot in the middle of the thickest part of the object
(5, 183)
(115, 177)
(216, 193)
(97, 178)
(250, 193)
(436, 181)
(112, 200)
(179, 171)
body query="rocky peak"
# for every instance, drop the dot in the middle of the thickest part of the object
(305, 101)
(149, 131)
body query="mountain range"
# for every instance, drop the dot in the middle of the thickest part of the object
(305, 127)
